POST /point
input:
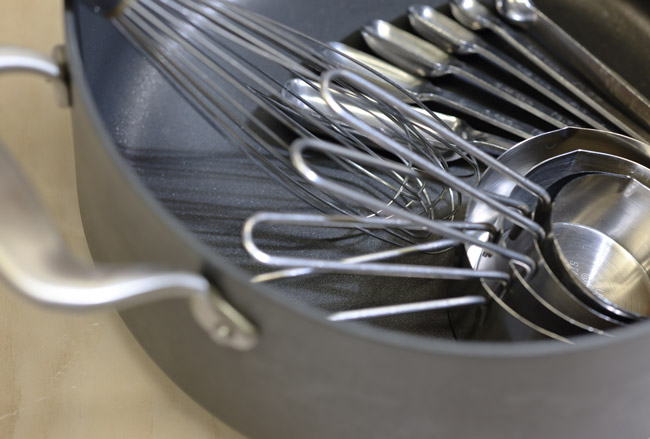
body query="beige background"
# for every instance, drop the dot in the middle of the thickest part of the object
(66, 375)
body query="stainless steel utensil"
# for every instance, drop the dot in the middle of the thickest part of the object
(206, 63)
(524, 13)
(451, 36)
(360, 62)
(495, 281)
(304, 96)
(179, 210)
(602, 244)
(550, 160)
(544, 299)
(545, 285)
(419, 57)
(457, 232)
(537, 313)
(145, 16)
(476, 16)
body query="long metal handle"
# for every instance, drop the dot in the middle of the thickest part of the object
(531, 51)
(446, 33)
(525, 14)
(507, 93)
(419, 57)
(382, 73)
(36, 262)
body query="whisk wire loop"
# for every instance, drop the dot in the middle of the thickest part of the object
(443, 228)
(446, 177)
(193, 60)
(361, 264)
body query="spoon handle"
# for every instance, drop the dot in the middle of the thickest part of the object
(446, 33)
(485, 114)
(600, 75)
(379, 71)
(531, 51)
(508, 94)
(538, 83)
(422, 58)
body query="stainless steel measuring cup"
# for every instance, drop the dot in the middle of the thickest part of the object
(551, 160)
(598, 246)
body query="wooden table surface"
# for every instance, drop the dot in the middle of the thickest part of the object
(71, 375)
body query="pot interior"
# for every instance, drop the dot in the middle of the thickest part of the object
(212, 188)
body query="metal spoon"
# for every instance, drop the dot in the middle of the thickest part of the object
(420, 57)
(524, 14)
(446, 33)
(385, 74)
(476, 16)
(304, 96)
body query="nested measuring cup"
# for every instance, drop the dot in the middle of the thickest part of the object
(552, 160)
(599, 246)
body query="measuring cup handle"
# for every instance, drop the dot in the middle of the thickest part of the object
(36, 263)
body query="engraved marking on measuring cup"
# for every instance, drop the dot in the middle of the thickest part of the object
(584, 277)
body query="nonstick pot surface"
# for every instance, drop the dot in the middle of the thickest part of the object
(309, 378)
(212, 188)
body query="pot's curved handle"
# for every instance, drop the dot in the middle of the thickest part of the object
(36, 262)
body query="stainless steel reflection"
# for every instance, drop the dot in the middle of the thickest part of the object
(365, 264)
(603, 245)
(422, 58)
(451, 36)
(549, 160)
(363, 63)
(523, 13)
(543, 298)
(476, 16)
(404, 308)
(304, 96)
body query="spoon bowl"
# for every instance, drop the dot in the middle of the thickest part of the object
(470, 13)
(521, 12)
